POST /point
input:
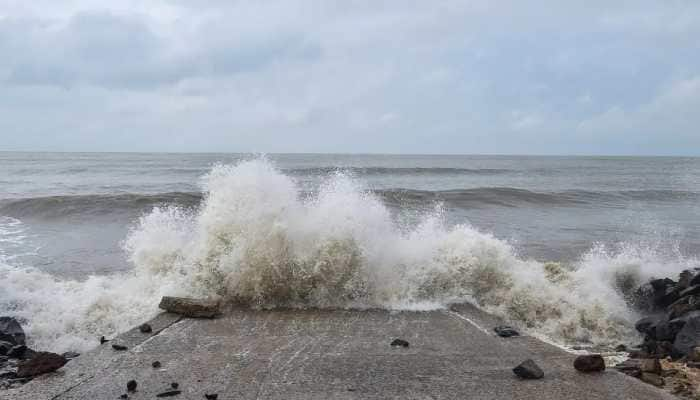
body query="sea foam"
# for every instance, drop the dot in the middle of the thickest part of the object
(259, 240)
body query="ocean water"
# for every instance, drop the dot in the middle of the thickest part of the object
(89, 242)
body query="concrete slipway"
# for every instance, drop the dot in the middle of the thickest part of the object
(333, 354)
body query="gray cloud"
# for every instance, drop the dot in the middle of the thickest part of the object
(456, 76)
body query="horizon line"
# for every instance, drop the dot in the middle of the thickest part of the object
(352, 154)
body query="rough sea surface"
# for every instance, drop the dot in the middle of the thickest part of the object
(89, 242)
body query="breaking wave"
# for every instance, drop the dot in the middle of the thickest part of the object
(256, 240)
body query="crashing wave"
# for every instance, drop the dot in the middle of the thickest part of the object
(257, 240)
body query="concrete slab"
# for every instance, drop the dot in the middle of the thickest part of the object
(323, 354)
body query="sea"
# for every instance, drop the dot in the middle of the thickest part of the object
(89, 242)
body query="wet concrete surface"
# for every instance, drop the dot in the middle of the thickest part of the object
(328, 354)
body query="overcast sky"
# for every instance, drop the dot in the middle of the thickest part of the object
(535, 77)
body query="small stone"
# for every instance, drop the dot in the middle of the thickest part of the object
(589, 363)
(156, 364)
(103, 340)
(169, 393)
(124, 396)
(528, 370)
(145, 328)
(41, 363)
(174, 385)
(621, 348)
(214, 396)
(652, 365)
(506, 331)
(131, 385)
(652, 379)
(399, 343)
(119, 347)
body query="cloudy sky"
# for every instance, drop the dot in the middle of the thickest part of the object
(480, 76)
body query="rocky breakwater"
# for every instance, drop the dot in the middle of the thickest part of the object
(18, 363)
(670, 350)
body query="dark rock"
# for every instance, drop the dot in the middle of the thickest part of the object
(70, 354)
(645, 324)
(589, 363)
(124, 396)
(621, 348)
(663, 349)
(642, 298)
(652, 379)
(693, 364)
(668, 297)
(667, 330)
(506, 331)
(119, 347)
(169, 393)
(174, 385)
(3, 359)
(17, 351)
(11, 331)
(695, 280)
(156, 364)
(103, 340)
(145, 328)
(399, 343)
(528, 370)
(689, 336)
(131, 385)
(41, 363)
(690, 290)
(683, 306)
(638, 354)
(8, 373)
(661, 284)
(5, 347)
(629, 365)
(193, 308)
(652, 365)
(684, 279)
(214, 396)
